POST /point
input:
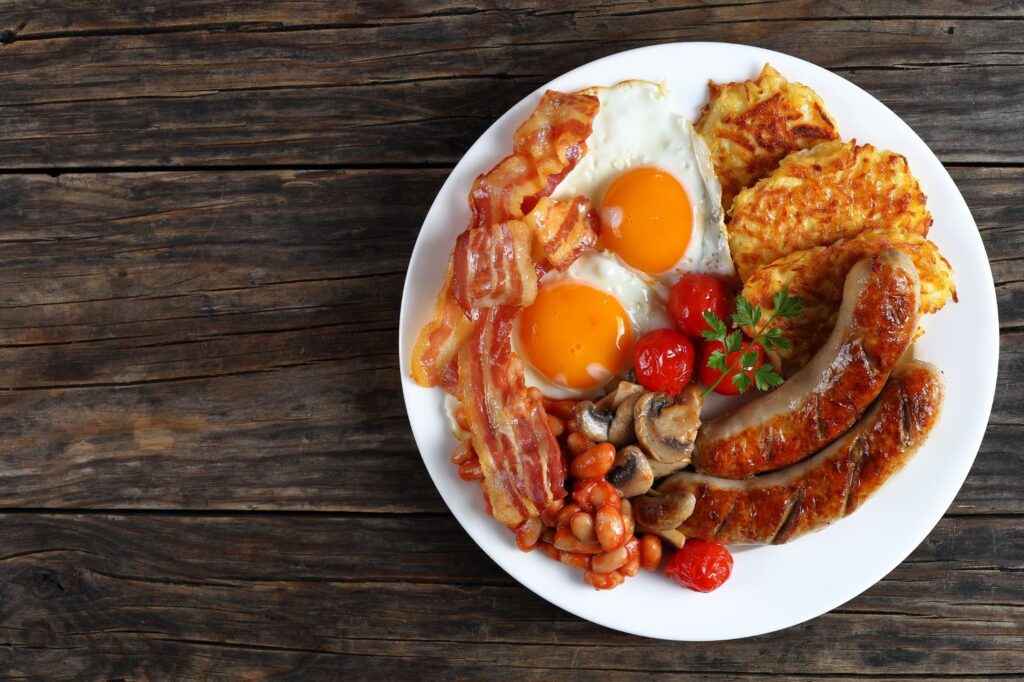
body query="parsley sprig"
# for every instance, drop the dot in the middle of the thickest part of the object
(748, 315)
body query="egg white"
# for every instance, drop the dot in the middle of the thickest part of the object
(643, 298)
(636, 126)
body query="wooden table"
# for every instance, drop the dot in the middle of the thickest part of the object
(206, 212)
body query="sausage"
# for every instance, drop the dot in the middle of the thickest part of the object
(876, 323)
(777, 507)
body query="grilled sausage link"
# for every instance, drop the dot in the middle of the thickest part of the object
(876, 324)
(780, 506)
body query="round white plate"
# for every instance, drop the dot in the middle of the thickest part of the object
(771, 587)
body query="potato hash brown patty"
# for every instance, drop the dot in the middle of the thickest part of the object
(820, 195)
(750, 126)
(817, 275)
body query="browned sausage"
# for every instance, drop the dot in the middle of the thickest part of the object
(777, 507)
(876, 324)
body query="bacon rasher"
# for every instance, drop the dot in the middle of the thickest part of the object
(492, 273)
(493, 266)
(563, 230)
(547, 146)
(439, 340)
(555, 137)
(523, 466)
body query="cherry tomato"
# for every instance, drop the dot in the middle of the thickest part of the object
(691, 297)
(709, 376)
(701, 565)
(663, 360)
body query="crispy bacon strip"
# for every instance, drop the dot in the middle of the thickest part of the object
(493, 266)
(498, 195)
(563, 230)
(523, 467)
(437, 346)
(547, 145)
(555, 135)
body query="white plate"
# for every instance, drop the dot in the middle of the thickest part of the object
(771, 587)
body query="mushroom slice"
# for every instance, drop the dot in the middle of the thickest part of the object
(623, 391)
(592, 421)
(667, 427)
(610, 418)
(631, 473)
(663, 469)
(672, 537)
(621, 431)
(663, 511)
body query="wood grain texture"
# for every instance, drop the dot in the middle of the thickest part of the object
(344, 87)
(119, 595)
(169, 338)
(206, 212)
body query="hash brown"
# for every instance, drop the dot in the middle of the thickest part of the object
(820, 195)
(817, 275)
(751, 125)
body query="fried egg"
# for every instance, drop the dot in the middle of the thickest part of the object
(651, 177)
(579, 332)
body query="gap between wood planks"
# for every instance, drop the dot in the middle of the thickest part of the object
(57, 171)
(215, 513)
(9, 36)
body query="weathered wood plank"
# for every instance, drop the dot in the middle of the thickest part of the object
(377, 593)
(28, 19)
(141, 313)
(351, 92)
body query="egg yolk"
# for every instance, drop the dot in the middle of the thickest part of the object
(646, 218)
(576, 335)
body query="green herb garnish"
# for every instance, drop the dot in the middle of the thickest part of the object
(748, 315)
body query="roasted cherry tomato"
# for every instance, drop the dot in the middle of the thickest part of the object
(663, 360)
(709, 376)
(701, 565)
(691, 297)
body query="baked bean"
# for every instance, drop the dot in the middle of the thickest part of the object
(567, 542)
(548, 535)
(575, 559)
(591, 494)
(603, 493)
(631, 568)
(595, 462)
(462, 452)
(577, 443)
(566, 514)
(549, 549)
(470, 470)
(609, 527)
(462, 419)
(528, 533)
(650, 552)
(582, 526)
(556, 425)
(606, 562)
(549, 517)
(603, 581)
(626, 509)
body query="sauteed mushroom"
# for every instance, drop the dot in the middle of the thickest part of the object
(610, 418)
(663, 511)
(631, 473)
(592, 421)
(672, 537)
(667, 427)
